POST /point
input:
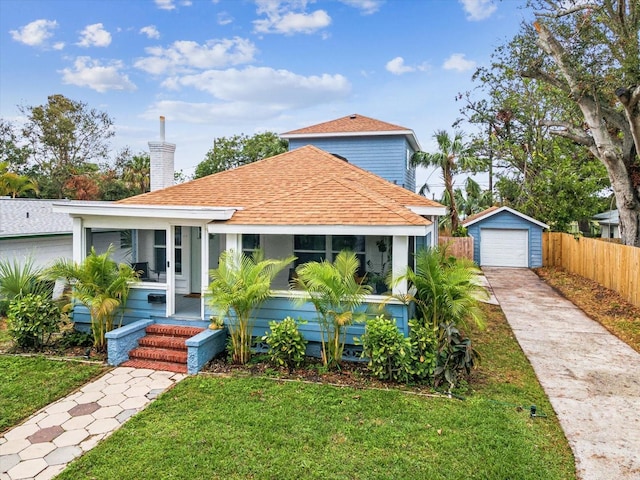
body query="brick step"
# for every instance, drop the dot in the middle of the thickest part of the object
(173, 330)
(156, 365)
(163, 341)
(160, 354)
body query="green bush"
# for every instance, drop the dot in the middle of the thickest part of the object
(388, 350)
(424, 347)
(456, 355)
(287, 346)
(75, 338)
(32, 319)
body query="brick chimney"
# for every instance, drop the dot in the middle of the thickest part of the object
(162, 161)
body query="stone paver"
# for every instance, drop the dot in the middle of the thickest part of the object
(591, 377)
(41, 447)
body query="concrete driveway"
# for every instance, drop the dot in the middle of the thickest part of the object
(591, 378)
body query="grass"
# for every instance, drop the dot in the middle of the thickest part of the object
(250, 427)
(30, 383)
(605, 306)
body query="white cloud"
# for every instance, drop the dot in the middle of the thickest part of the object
(36, 33)
(171, 4)
(478, 9)
(458, 63)
(90, 73)
(367, 7)
(289, 17)
(224, 18)
(150, 31)
(266, 86)
(397, 66)
(94, 36)
(186, 55)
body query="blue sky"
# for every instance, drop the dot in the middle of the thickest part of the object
(220, 67)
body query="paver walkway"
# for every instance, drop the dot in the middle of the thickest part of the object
(591, 377)
(44, 444)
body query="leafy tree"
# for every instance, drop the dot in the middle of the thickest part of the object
(12, 152)
(126, 177)
(238, 287)
(453, 156)
(538, 173)
(101, 285)
(63, 137)
(334, 292)
(238, 150)
(589, 53)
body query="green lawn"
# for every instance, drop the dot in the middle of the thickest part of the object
(29, 383)
(248, 427)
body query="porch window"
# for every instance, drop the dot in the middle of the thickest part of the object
(309, 248)
(250, 243)
(353, 243)
(160, 250)
(178, 249)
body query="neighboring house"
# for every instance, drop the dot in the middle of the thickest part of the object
(29, 228)
(379, 147)
(609, 222)
(504, 237)
(305, 202)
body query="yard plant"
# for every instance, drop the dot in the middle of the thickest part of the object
(287, 346)
(100, 284)
(336, 295)
(239, 285)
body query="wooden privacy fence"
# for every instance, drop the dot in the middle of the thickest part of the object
(459, 247)
(612, 265)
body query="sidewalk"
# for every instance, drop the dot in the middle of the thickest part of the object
(43, 445)
(590, 376)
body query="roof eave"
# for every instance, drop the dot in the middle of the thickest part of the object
(109, 209)
(409, 134)
(382, 230)
(506, 209)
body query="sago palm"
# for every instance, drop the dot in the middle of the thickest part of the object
(101, 285)
(336, 295)
(238, 286)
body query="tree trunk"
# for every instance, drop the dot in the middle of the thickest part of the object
(618, 155)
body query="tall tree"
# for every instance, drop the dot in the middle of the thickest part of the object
(452, 157)
(237, 150)
(590, 52)
(64, 136)
(12, 150)
(538, 173)
(13, 184)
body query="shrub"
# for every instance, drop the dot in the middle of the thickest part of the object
(32, 320)
(424, 347)
(388, 350)
(75, 338)
(455, 355)
(287, 346)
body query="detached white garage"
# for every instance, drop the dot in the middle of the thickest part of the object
(503, 237)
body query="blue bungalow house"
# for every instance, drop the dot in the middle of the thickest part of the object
(306, 202)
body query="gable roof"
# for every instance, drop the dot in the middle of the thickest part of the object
(306, 186)
(21, 217)
(610, 217)
(491, 211)
(353, 125)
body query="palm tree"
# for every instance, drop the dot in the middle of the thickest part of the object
(101, 285)
(238, 286)
(444, 289)
(335, 294)
(452, 157)
(13, 184)
(21, 278)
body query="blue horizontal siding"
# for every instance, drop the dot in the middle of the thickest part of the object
(386, 156)
(508, 220)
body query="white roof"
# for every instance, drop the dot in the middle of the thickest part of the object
(24, 217)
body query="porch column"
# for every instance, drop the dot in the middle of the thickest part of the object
(400, 260)
(233, 242)
(79, 240)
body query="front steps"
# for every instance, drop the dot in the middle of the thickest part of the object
(163, 348)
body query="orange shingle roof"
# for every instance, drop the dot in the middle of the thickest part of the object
(350, 124)
(307, 186)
